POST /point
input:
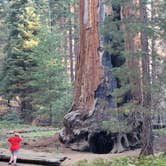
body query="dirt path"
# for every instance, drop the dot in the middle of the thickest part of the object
(53, 151)
(29, 156)
(74, 157)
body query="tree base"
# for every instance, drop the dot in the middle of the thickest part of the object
(83, 132)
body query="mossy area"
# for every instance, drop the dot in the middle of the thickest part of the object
(126, 161)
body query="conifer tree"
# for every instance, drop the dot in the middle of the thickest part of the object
(133, 83)
(54, 90)
(23, 25)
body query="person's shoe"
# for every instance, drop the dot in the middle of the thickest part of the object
(9, 163)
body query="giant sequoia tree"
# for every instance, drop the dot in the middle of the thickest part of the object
(93, 100)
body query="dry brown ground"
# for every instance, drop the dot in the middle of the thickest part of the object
(52, 144)
(74, 157)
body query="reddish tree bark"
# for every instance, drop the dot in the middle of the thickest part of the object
(89, 71)
(141, 68)
(71, 52)
(132, 45)
(147, 136)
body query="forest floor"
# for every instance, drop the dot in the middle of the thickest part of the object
(52, 145)
(46, 140)
(75, 156)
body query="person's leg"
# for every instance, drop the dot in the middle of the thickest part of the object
(11, 158)
(15, 159)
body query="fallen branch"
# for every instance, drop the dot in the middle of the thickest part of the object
(31, 130)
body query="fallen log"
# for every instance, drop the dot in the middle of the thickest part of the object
(36, 161)
(35, 158)
(32, 130)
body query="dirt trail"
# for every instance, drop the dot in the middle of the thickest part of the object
(29, 156)
(51, 146)
(74, 157)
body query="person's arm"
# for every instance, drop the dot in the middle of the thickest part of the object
(20, 139)
(9, 139)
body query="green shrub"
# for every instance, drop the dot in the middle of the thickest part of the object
(160, 131)
(126, 161)
(12, 116)
(60, 108)
(97, 162)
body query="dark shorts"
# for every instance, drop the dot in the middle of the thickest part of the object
(15, 152)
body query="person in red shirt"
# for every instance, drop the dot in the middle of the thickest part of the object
(14, 141)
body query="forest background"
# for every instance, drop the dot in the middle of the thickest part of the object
(39, 51)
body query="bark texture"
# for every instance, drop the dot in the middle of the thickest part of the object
(88, 65)
(147, 136)
(71, 44)
(94, 85)
(132, 45)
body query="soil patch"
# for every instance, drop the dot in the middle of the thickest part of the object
(52, 144)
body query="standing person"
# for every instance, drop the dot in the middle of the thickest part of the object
(15, 141)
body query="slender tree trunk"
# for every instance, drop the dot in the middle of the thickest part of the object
(70, 43)
(153, 44)
(65, 50)
(147, 137)
(156, 113)
(51, 115)
(26, 111)
(75, 32)
(51, 14)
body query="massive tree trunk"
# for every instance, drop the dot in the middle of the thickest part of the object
(88, 61)
(94, 84)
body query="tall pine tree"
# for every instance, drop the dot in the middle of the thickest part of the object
(23, 24)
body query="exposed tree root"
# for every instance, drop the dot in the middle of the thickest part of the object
(120, 143)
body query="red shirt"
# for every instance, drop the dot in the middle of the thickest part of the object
(15, 142)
